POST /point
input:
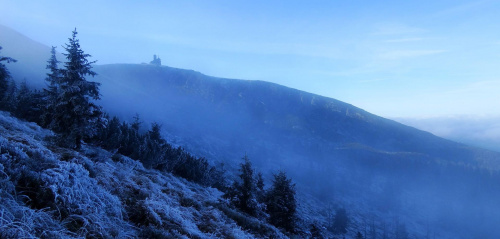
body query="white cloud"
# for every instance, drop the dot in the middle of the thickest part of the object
(482, 131)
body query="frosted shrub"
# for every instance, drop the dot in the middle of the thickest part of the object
(84, 206)
(52, 192)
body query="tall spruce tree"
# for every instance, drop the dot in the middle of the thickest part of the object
(4, 79)
(54, 76)
(281, 203)
(75, 114)
(51, 91)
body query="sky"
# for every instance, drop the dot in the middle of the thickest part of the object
(396, 59)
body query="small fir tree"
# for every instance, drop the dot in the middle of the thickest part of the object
(152, 149)
(24, 101)
(9, 100)
(281, 203)
(243, 192)
(4, 79)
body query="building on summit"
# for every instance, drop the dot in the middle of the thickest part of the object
(156, 60)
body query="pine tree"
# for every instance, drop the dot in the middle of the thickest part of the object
(359, 235)
(111, 135)
(4, 79)
(247, 199)
(152, 149)
(23, 101)
(131, 140)
(53, 80)
(75, 114)
(54, 76)
(281, 203)
(243, 192)
(9, 100)
(260, 187)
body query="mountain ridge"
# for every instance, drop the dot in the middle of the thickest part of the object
(219, 91)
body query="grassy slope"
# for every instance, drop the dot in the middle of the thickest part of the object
(52, 192)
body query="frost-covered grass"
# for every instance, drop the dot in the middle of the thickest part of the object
(52, 192)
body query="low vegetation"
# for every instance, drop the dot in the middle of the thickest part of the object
(90, 175)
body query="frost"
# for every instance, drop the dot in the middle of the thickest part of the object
(52, 192)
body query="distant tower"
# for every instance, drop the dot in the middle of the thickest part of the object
(156, 60)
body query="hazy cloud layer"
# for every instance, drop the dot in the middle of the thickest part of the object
(481, 131)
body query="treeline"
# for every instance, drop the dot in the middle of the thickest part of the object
(154, 152)
(277, 205)
(67, 107)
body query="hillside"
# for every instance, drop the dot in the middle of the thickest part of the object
(305, 121)
(384, 173)
(29, 53)
(52, 192)
(340, 154)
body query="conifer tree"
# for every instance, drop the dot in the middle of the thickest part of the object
(23, 101)
(281, 203)
(243, 192)
(54, 76)
(260, 187)
(4, 79)
(111, 134)
(246, 198)
(75, 114)
(9, 100)
(51, 92)
(153, 144)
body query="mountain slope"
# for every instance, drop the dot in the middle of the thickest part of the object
(337, 152)
(339, 155)
(239, 107)
(32, 56)
(52, 192)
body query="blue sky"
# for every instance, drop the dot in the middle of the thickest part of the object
(392, 58)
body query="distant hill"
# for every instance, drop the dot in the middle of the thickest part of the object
(32, 56)
(339, 154)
